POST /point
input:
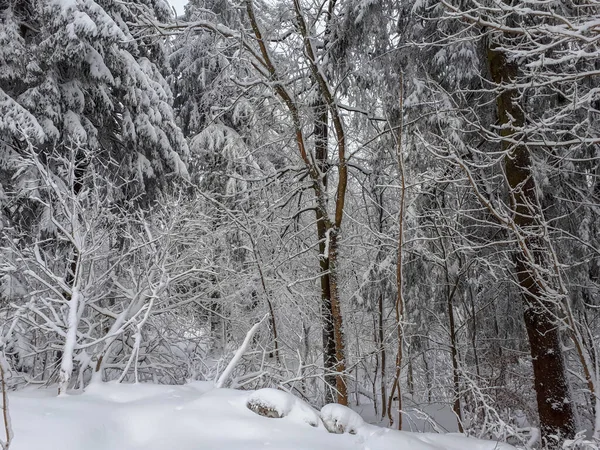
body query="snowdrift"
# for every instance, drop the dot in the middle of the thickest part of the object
(197, 416)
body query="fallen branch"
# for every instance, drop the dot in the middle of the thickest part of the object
(238, 354)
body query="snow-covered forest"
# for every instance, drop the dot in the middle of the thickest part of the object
(389, 205)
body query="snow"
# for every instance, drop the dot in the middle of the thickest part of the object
(66, 366)
(238, 355)
(341, 419)
(18, 120)
(110, 416)
(179, 166)
(284, 405)
(82, 24)
(98, 69)
(273, 399)
(74, 127)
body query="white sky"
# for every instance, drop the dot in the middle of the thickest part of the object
(178, 5)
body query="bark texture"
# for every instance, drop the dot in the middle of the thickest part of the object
(553, 398)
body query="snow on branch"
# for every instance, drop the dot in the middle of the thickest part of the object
(238, 354)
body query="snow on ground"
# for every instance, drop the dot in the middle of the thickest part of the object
(431, 417)
(197, 416)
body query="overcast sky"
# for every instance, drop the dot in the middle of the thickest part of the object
(178, 5)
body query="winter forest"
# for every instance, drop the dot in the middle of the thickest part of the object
(391, 205)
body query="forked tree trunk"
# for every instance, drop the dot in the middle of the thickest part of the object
(72, 280)
(552, 391)
(265, 65)
(332, 226)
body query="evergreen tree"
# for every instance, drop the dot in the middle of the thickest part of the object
(76, 72)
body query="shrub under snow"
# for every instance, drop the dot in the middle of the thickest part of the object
(277, 404)
(340, 419)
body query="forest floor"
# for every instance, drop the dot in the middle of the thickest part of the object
(196, 416)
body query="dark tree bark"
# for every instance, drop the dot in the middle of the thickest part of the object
(552, 391)
(321, 131)
(454, 353)
(381, 343)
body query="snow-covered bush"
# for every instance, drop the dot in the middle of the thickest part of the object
(278, 404)
(340, 419)
(97, 290)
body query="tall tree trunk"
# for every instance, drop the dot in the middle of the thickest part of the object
(428, 383)
(380, 327)
(410, 376)
(454, 354)
(336, 311)
(73, 298)
(553, 397)
(321, 130)
(381, 335)
(399, 305)
(474, 331)
(332, 227)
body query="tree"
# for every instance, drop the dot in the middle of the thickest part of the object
(524, 55)
(75, 73)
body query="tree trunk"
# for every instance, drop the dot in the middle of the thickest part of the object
(553, 397)
(380, 326)
(474, 332)
(336, 311)
(381, 335)
(331, 227)
(454, 354)
(320, 136)
(72, 280)
(399, 304)
(428, 383)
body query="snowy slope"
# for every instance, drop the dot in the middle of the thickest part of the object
(195, 416)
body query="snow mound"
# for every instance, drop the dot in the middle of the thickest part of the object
(196, 416)
(340, 419)
(270, 403)
(277, 404)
